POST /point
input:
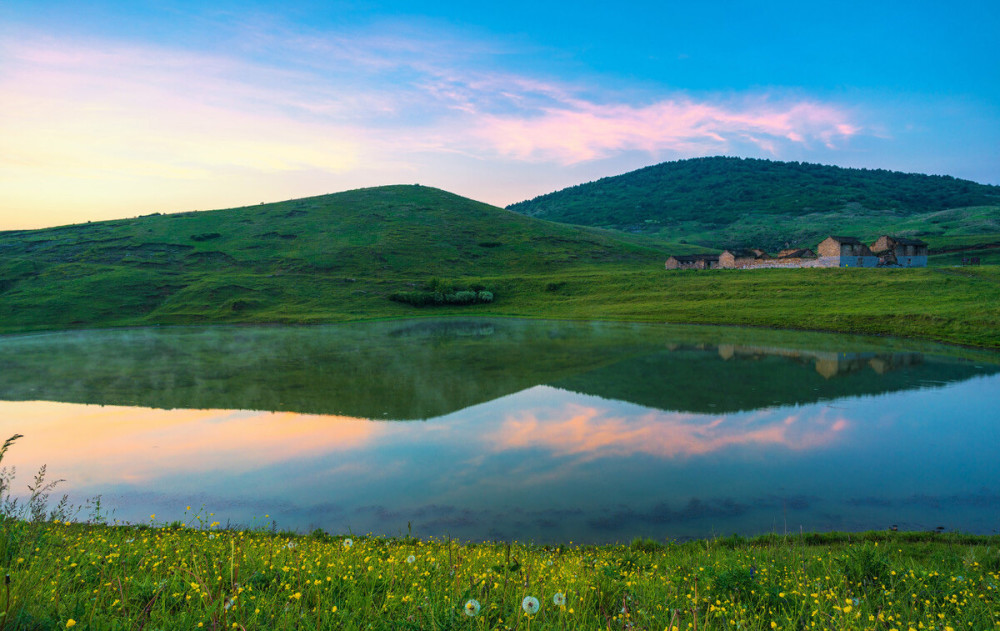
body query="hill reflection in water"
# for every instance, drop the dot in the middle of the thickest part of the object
(544, 431)
(424, 369)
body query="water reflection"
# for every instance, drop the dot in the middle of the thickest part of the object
(829, 364)
(426, 369)
(608, 432)
(599, 432)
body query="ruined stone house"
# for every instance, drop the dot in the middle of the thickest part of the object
(796, 253)
(845, 252)
(746, 259)
(900, 251)
(738, 259)
(833, 251)
(693, 261)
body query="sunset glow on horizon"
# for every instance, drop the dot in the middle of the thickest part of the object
(112, 112)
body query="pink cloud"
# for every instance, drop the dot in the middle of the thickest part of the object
(576, 130)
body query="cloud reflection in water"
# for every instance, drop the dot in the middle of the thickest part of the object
(601, 429)
(543, 463)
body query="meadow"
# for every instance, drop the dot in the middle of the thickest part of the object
(194, 575)
(391, 252)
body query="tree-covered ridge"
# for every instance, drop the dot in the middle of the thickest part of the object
(720, 190)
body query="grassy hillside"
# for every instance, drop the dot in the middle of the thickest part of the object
(724, 202)
(301, 260)
(340, 257)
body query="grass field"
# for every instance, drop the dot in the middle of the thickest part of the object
(193, 575)
(341, 257)
(953, 305)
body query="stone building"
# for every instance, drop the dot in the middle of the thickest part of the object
(795, 253)
(738, 259)
(693, 261)
(887, 251)
(758, 259)
(900, 251)
(845, 252)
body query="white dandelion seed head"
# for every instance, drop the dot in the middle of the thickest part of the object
(348, 542)
(530, 605)
(549, 563)
(559, 599)
(290, 545)
(472, 608)
(411, 559)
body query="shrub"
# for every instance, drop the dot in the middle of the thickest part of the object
(432, 298)
(461, 298)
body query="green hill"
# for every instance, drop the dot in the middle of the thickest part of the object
(343, 257)
(725, 202)
(318, 259)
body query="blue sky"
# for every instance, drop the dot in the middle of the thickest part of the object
(118, 109)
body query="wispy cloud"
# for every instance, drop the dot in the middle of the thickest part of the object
(85, 109)
(362, 91)
(80, 112)
(580, 130)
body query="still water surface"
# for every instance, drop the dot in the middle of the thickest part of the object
(480, 429)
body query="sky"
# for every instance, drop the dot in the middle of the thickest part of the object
(114, 109)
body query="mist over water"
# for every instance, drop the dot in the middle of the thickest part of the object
(506, 429)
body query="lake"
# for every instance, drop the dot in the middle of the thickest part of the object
(507, 429)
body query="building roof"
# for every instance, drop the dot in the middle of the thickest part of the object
(691, 258)
(796, 254)
(846, 240)
(748, 254)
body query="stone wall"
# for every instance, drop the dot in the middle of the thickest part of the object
(674, 263)
(746, 263)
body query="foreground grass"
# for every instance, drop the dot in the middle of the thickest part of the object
(126, 577)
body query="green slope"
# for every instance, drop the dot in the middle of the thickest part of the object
(340, 257)
(725, 202)
(299, 260)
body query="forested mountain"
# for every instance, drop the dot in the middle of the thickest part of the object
(705, 197)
